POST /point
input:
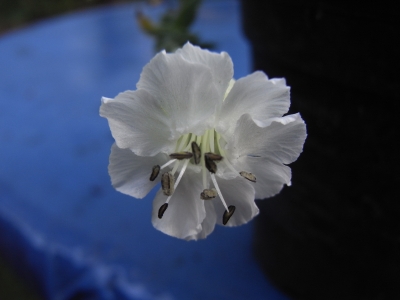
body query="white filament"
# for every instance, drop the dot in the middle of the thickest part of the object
(218, 190)
(179, 177)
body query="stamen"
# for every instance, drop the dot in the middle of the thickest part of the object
(167, 163)
(208, 194)
(219, 149)
(198, 139)
(181, 173)
(218, 190)
(181, 155)
(162, 210)
(189, 143)
(179, 178)
(182, 142)
(175, 168)
(213, 156)
(212, 140)
(154, 173)
(228, 214)
(203, 144)
(167, 183)
(210, 164)
(248, 176)
(196, 153)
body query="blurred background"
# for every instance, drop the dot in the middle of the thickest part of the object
(66, 234)
(16, 14)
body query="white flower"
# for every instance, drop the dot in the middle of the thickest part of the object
(216, 143)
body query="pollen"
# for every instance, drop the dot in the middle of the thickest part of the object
(167, 183)
(249, 176)
(208, 194)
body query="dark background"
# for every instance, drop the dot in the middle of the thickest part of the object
(335, 233)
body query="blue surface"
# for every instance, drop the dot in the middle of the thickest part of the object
(61, 223)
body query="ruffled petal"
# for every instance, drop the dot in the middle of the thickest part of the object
(220, 64)
(271, 175)
(240, 193)
(184, 90)
(185, 212)
(138, 122)
(257, 96)
(281, 140)
(208, 223)
(130, 173)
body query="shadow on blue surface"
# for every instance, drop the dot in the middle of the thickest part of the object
(61, 223)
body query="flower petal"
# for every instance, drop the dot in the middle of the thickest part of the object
(208, 223)
(130, 173)
(271, 175)
(184, 90)
(138, 122)
(185, 212)
(240, 193)
(282, 140)
(220, 64)
(256, 95)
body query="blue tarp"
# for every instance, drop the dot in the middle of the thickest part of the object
(62, 225)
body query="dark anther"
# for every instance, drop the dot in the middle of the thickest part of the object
(162, 210)
(213, 156)
(181, 155)
(210, 164)
(154, 172)
(227, 215)
(196, 153)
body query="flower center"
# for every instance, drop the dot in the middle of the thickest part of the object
(205, 151)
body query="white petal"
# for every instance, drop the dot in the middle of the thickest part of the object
(137, 122)
(256, 95)
(220, 64)
(282, 140)
(130, 173)
(240, 193)
(208, 223)
(185, 211)
(184, 90)
(271, 175)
